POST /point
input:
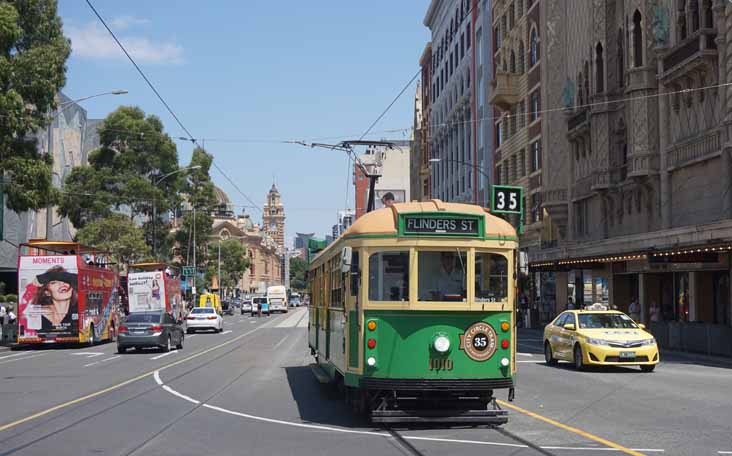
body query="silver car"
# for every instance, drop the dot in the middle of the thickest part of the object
(246, 306)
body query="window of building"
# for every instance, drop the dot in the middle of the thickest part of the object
(504, 26)
(456, 51)
(533, 48)
(389, 276)
(694, 12)
(442, 276)
(520, 8)
(498, 174)
(496, 38)
(522, 113)
(491, 277)
(512, 64)
(498, 135)
(536, 207)
(535, 105)
(522, 163)
(535, 156)
(637, 39)
(681, 20)
(621, 60)
(462, 45)
(514, 169)
(514, 115)
(467, 36)
(521, 58)
(581, 218)
(511, 17)
(599, 69)
(708, 14)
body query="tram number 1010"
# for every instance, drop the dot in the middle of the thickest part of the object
(437, 364)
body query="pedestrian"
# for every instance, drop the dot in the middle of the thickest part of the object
(570, 303)
(634, 310)
(655, 312)
(3, 314)
(388, 199)
(259, 309)
(11, 316)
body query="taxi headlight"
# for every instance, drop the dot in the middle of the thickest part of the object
(647, 342)
(592, 341)
(442, 344)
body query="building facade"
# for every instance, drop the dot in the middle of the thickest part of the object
(422, 129)
(392, 165)
(417, 163)
(458, 155)
(638, 167)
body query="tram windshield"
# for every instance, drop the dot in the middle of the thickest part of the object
(491, 277)
(442, 276)
(389, 276)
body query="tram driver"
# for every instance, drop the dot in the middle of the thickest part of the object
(445, 281)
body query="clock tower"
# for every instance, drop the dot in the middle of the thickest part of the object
(273, 218)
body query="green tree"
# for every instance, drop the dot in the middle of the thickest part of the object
(200, 195)
(234, 262)
(117, 235)
(298, 266)
(33, 54)
(125, 173)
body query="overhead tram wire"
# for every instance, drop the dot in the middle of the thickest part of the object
(162, 100)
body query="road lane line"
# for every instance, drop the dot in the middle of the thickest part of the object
(226, 332)
(724, 452)
(88, 354)
(182, 396)
(571, 429)
(171, 352)
(21, 359)
(63, 405)
(280, 343)
(13, 356)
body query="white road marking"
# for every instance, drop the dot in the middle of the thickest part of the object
(156, 376)
(280, 342)
(724, 452)
(21, 359)
(226, 332)
(188, 336)
(382, 434)
(103, 361)
(524, 354)
(13, 356)
(291, 321)
(88, 354)
(172, 352)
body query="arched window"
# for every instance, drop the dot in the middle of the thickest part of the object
(708, 14)
(637, 40)
(621, 60)
(512, 65)
(694, 13)
(504, 66)
(521, 58)
(533, 49)
(599, 69)
(681, 19)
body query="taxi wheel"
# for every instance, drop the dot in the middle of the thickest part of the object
(578, 361)
(548, 355)
(647, 367)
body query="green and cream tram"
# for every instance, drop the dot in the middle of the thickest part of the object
(413, 310)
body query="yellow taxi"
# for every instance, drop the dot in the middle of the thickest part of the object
(598, 336)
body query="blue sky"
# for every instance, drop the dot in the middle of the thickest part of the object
(246, 74)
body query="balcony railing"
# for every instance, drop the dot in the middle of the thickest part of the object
(701, 42)
(695, 149)
(504, 91)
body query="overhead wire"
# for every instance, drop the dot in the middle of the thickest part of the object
(162, 100)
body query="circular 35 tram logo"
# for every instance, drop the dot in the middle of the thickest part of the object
(479, 341)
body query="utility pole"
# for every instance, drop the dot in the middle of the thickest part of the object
(195, 265)
(219, 272)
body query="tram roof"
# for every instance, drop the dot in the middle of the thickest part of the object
(385, 221)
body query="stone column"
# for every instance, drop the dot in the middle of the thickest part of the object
(726, 62)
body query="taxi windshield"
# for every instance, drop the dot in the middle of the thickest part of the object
(605, 320)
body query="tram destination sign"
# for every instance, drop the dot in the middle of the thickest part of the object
(449, 225)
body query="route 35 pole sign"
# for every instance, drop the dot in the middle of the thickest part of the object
(506, 199)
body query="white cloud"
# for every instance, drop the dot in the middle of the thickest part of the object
(124, 22)
(93, 41)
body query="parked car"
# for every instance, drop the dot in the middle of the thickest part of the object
(246, 306)
(150, 329)
(227, 307)
(204, 318)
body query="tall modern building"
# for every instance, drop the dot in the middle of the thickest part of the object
(345, 220)
(459, 151)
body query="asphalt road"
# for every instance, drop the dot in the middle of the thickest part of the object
(249, 391)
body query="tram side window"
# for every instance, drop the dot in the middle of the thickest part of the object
(389, 276)
(442, 276)
(355, 273)
(491, 277)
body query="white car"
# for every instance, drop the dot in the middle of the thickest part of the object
(204, 318)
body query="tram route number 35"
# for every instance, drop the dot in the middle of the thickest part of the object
(506, 199)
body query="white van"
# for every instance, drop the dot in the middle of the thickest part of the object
(277, 297)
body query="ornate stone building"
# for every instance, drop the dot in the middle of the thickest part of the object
(638, 175)
(273, 217)
(262, 249)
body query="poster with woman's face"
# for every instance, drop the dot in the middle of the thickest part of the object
(49, 299)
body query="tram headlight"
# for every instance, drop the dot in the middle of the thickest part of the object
(505, 362)
(442, 344)
(371, 361)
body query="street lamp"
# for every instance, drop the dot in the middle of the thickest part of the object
(155, 184)
(59, 109)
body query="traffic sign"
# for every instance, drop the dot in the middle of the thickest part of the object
(189, 271)
(506, 199)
